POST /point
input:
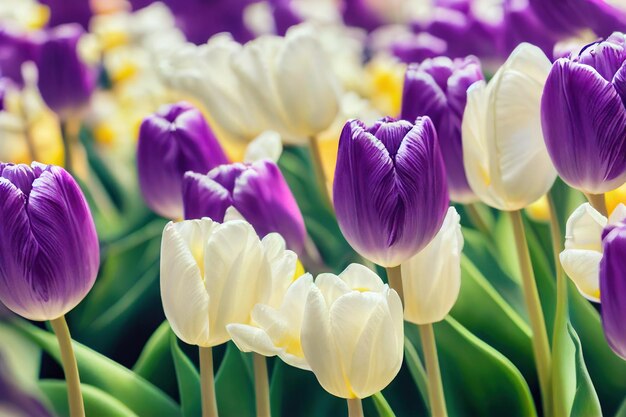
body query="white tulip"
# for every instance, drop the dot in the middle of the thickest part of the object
(352, 332)
(432, 278)
(583, 247)
(267, 145)
(276, 331)
(505, 157)
(276, 83)
(213, 274)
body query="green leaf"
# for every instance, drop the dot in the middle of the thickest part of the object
(155, 359)
(416, 369)
(622, 410)
(276, 388)
(143, 398)
(97, 402)
(231, 377)
(586, 402)
(20, 355)
(382, 406)
(188, 380)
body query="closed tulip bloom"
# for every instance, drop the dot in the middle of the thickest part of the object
(353, 332)
(583, 247)
(276, 83)
(172, 141)
(213, 274)
(505, 157)
(584, 116)
(276, 331)
(613, 288)
(258, 191)
(49, 251)
(16, 48)
(431, 280)
(437, 88)
(65, 80)
(390, 192)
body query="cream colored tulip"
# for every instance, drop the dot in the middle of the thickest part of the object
(276, 331)
(213, 274)
(432, 278)
(583, 247)
(505, 157)
(276, 83)
(352, 332)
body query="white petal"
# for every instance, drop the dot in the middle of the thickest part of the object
(432, 278)
(184, 296)
(268, 145)
(583, 267)
(618, 214)
(252, 339)
(232, 214)
(331, 286)
(584, 229)
(319, 347)
(361, 278)
(283, 264)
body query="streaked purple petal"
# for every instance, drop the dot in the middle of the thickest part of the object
(204, 197)
(421, 96)
(390, 132)
(606, 57)
(619, 82)
(584, 125)
(613, 289)
(226, 175)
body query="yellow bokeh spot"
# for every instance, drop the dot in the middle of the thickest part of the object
(125, 72)
(615, 197)
(104, 134)
(38, 18)
(385, 80)
(539, 210)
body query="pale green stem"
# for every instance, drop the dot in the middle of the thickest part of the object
(355, 407)
(261, 387)
(435, 386)
(394, 278)
(74, 395)
(207, 383)
(598, 202)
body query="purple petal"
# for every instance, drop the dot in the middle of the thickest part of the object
(613, 290)
(606, 57)
(204, 197)
(619, 82)
(421, 96)
(584, 125)
(226, 175)
(390, 133)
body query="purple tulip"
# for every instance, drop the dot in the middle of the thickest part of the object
(613, 287)
(69, 11)
(16, 49)
(437, 88)
(49, 253)
(258, 191)
(65, 81)
(583, 115)
(172, 141)
(390, 192)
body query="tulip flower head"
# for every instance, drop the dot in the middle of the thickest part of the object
(352, 332)
(584, 116)
(390, 192)
(276, 331)
(172, 141)
(583, 247)
(437, 88)
(213, 274)
(505, 157)
(613, 288)
(258, 191)
(65, 81)
(431, 280)
(49, 251)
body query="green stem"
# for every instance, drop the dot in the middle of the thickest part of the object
(476, 218)
(598, 202)
(261, 387)
(69, 135)
(74, 395)
(355, 407)
(394, 278)
(435, 387)
(207, 383)
(541, 347)
(318, 167)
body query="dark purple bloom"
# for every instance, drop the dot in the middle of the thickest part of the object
(437, 88)
(16, 49)
(416, 47)
(65, 80)
(390, 192)
(49, 253)
(258, 191)
(69, 11)
(583, 116)
(613, 288)
(172, 141)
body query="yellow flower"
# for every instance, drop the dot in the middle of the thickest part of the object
(384, 82)
(539, 210)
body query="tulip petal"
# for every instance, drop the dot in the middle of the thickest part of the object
(613, 290)
(361, 278)
(619, 82)
(582, 266)
(421, 96)
(584, 122)
(584, 229)
(283, 266)
(204, 197)
(268, 145)
(252, 339)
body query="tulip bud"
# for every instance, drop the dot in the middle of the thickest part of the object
(172, 141)
(276, 331)
(65, 80)
(583, 247)
(431, 280)
(49, 253)
(390, 191)
(258, 191)
(505, 157)
(583, 113)
(353, 332)
(437, 88)
(276, 83)
(15, 50)
(213, 274)
(613, 288)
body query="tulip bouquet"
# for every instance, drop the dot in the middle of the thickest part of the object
(292, 208)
